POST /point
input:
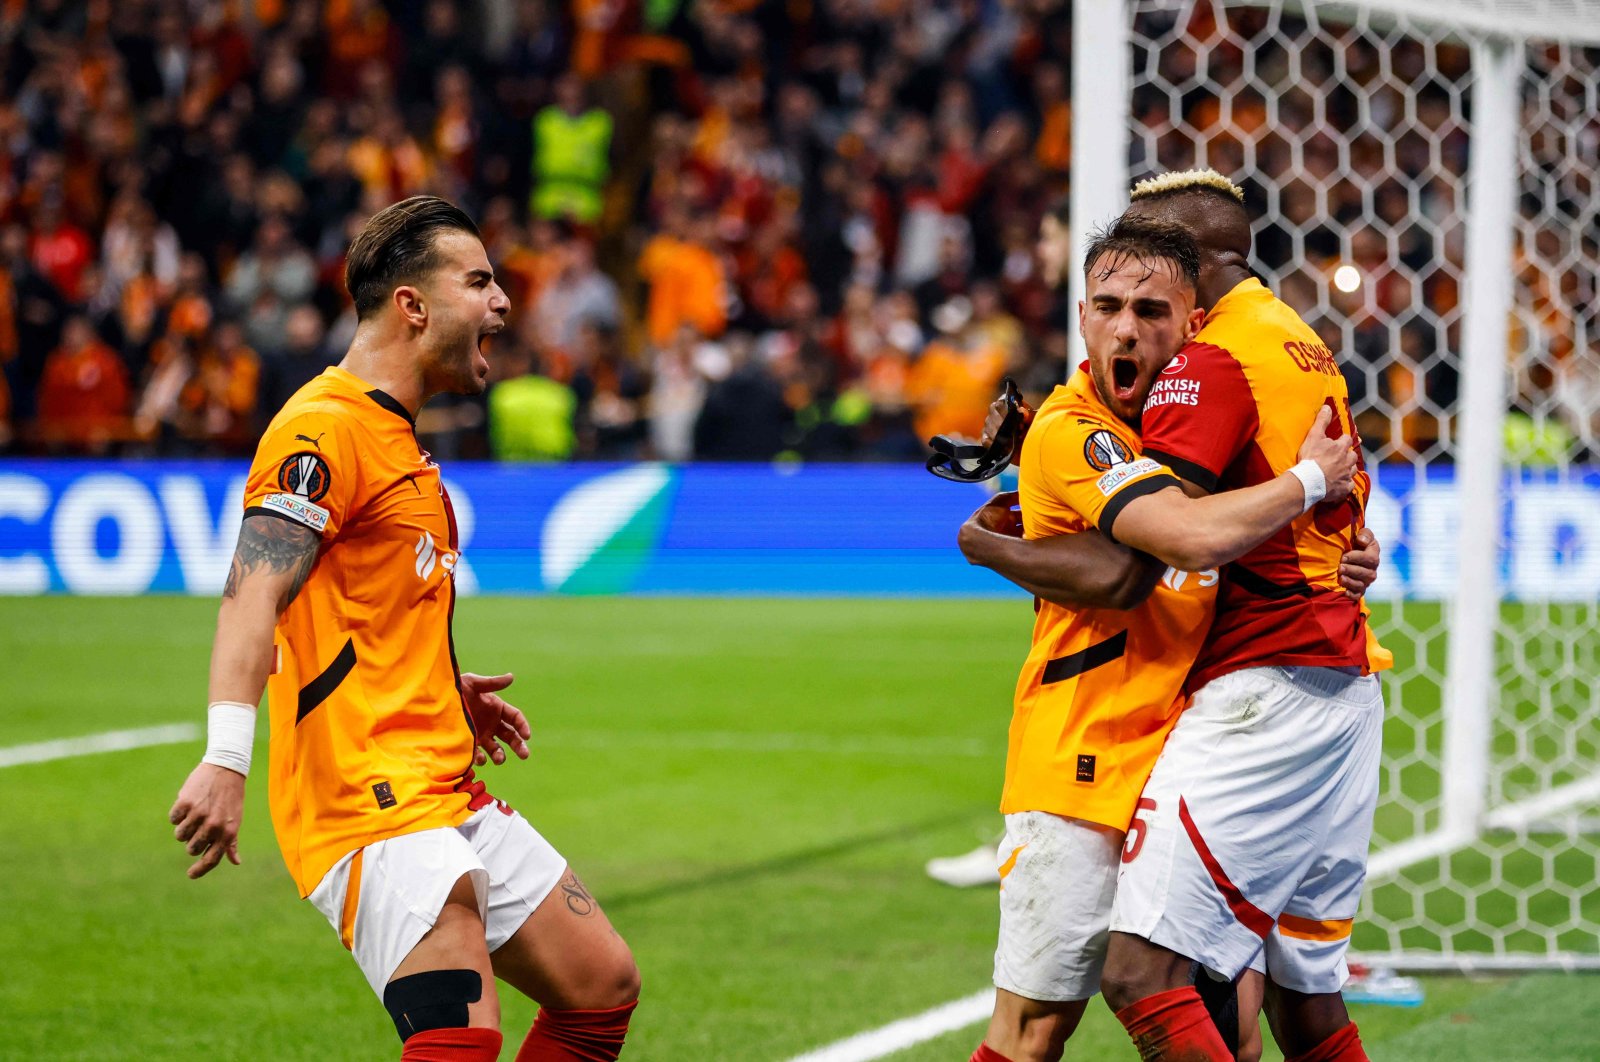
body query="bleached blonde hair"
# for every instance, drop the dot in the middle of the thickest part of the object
(1185, 181)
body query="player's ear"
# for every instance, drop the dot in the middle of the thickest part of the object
(1197, 317)
(1080, 318)
(413, 310)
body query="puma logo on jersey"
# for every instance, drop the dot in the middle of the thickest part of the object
(429, 557)
(317, 442)
(1173, 579)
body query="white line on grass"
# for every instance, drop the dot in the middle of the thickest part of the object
(907, 1032)
(88, 744)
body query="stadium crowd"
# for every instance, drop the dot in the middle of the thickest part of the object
(730, 230)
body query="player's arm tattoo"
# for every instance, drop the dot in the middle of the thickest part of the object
(579, 902)
(271, 544)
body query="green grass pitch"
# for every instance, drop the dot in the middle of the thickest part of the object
(750, 787)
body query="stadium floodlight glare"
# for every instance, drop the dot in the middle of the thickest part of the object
(1355, 128)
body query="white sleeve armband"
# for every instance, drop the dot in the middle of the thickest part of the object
(1309, 473)
(230, 735)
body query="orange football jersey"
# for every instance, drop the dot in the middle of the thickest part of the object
(370, 737)
(1101, 687)
(1230, 411)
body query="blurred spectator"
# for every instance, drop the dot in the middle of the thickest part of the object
(676, 394)
(302, 358)
(688, 283)
(222, 393)
(611, 391)
(571, 156)
(578, 294)
(530, 415)
(744, 417)
(271, 277)
(83, 397)
(956, 377)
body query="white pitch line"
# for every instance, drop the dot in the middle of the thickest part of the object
(907, 1032)
(89, 744)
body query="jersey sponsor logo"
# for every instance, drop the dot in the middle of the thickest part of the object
(305, 474)
(1104, 451)
(297, 509)
(1176, 365)
(1112, 481)
(430, 556)
(317, 442)
(1173, 392)
(1173, 579)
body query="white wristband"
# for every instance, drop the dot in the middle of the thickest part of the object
(230, 734)
(1309, 473)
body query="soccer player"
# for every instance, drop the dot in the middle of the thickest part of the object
(339, 601)
(1258, 817)
(1102, 686)
(1254, 827)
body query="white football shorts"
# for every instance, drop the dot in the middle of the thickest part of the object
(1252, 832)
(1056, 885)
(382, 899)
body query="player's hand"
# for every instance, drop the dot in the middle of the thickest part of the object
(997, 416)
(994, 517)
(1336, 457)
(207, 814)
(494, 719)
(1358, 569)
(991, 423)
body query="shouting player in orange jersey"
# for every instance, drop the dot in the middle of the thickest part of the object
(1258, 817)
(1102, 685)
(339, 602)
(1253, 830)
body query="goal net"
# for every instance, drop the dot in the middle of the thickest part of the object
(1424, 182)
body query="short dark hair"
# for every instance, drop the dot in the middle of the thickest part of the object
(396, 246)
(1061, 210)
(1144, 240)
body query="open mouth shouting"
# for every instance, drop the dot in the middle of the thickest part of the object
(1125, 379)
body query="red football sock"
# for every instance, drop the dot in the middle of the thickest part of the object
(576, 1035)
(1173, 1026)
(985, 1053)
(452, 1045)
(1342, 1046)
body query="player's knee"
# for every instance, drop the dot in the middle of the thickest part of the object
(1135, 969)
(623, 984)
(1043, 1036)
(433, 999)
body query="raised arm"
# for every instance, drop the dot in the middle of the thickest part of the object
(1083, 570)
(270, 565)
(1196, 533)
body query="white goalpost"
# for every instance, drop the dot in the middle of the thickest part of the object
(1426, 180)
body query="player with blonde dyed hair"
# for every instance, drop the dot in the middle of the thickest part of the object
(1255, 823)
(1102, 684)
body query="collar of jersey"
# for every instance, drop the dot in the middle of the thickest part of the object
(382, 398)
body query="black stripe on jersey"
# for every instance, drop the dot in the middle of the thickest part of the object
(1199, 475)
(1261, 586)
(320, 688)
(1097, 655)
(1137, 489)
(392, 404)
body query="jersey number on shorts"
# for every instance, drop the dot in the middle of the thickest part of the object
(1137, 830)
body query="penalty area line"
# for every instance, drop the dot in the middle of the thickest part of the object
(907, 1032)
(90, 744)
